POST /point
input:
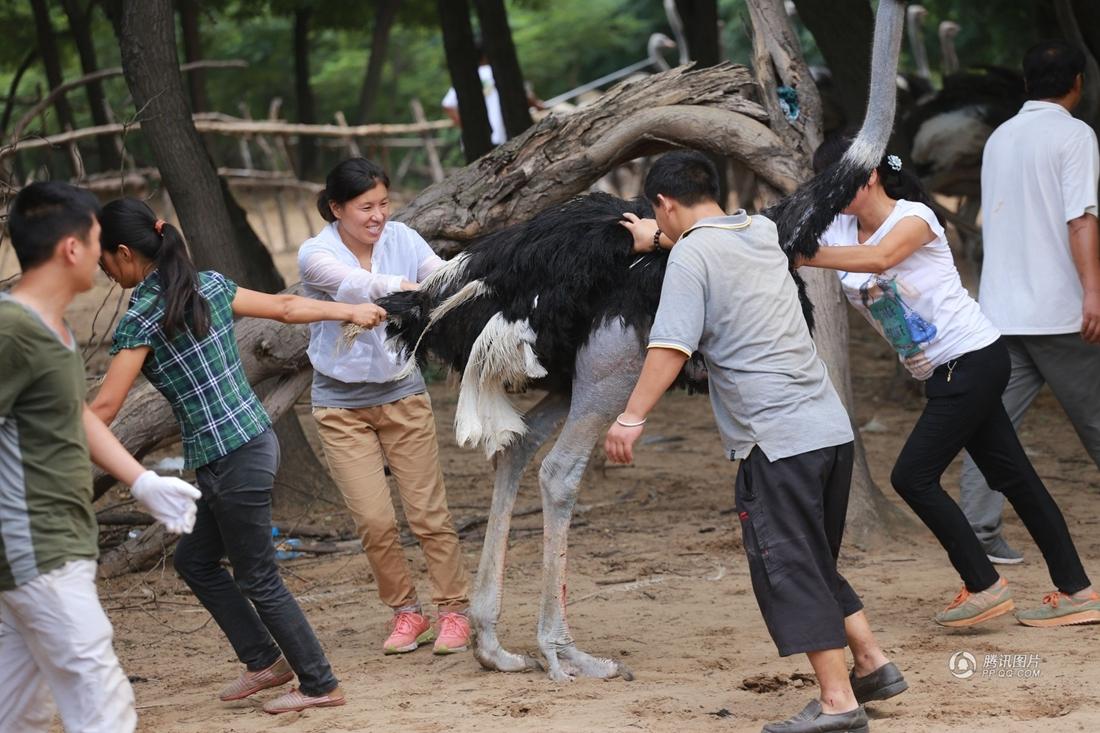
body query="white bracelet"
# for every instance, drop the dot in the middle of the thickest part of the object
(619, 420)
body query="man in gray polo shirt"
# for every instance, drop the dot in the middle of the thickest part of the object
(728, 293)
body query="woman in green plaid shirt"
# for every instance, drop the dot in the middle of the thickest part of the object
(178, 332)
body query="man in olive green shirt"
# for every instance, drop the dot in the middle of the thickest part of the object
(54, 635)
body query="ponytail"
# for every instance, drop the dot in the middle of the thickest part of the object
(131, 222)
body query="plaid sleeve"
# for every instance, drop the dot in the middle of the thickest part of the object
(131, 333)
(223, 286)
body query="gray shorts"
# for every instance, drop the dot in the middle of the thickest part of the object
(792, 519)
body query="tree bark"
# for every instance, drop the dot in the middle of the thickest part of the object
(146, 33)
(501, 51)
(80, 27)
(379, 49)
(303, 92)
(51, 61)
(842, 30)
(560, 156)
(192, 51)
(462, 62)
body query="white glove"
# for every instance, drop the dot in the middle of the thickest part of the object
(170, 500)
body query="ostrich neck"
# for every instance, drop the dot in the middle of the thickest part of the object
(867, 149)
(917, 47)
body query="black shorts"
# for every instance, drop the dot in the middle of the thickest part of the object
(792, 519)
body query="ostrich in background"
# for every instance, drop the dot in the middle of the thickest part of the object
(562, 303)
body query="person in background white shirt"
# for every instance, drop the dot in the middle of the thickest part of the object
(368, 420)
(492, 103)
(897, 270)
(1040, 280)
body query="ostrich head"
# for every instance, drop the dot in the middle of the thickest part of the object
(914, 17)
(676, 23)
(948, 30)
(658, 42)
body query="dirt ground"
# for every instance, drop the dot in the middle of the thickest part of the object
(658, 579)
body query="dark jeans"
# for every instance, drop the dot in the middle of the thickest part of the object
(792, 520)
(254, 609)
(967, 412)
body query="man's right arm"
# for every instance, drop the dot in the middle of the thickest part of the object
(1084, 245)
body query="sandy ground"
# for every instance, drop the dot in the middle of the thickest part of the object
(658, 579)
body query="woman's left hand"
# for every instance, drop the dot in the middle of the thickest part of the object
(368, 315)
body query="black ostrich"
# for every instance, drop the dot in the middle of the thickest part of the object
(562, 302)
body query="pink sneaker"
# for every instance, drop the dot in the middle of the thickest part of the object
(250, 683)
(296, 701)
(454, 633)
(410, 630)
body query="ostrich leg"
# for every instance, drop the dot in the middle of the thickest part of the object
(484, 613)
(606, 369)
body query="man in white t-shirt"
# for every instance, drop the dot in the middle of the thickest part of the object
(492, 103)
(1040, 281)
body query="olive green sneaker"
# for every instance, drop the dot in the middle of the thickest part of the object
(1058, 609)
(973, 608)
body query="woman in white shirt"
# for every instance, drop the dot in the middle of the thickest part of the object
(896, 269)
(367, 420)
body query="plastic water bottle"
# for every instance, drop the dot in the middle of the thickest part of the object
(284, 548)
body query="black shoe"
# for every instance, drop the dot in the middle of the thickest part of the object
(882, 684)
(813, 720)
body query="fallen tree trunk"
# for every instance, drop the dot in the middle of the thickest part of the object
(712, 109)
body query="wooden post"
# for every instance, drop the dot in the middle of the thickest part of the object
(353, 147)
(429, 142)
(242, 144)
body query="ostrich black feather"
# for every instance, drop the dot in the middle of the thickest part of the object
(566, 271)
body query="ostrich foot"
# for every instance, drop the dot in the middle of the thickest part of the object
(492, 656)
(570, 662)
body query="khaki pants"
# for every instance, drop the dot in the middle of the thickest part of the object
(402, 433)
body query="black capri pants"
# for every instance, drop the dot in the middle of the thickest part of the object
(792, 514)
(964, 410)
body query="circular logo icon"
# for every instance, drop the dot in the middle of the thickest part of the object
(962, 665)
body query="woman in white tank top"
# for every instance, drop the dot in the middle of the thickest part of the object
(896, 269)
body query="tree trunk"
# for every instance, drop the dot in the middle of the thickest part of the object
(13, 88)
(497, 37)
(842, 30)
(81, 29)
(146, 33)
(303, 92)
(462, 62)
(216, 228)
(379, 49)
(51, 62)
(700, 19)
(192, 51)
(778, 60)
